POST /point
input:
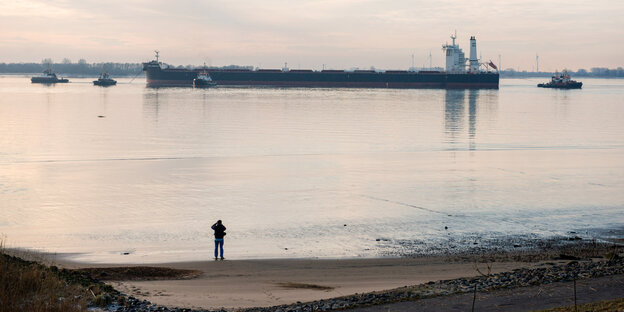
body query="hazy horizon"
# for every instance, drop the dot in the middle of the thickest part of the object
(310, 34)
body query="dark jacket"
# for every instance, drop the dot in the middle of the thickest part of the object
(219, 230)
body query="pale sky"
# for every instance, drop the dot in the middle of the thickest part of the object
(307, 34)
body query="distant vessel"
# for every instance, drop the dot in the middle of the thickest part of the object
(48, 76)
(461, 73)
(562, 81)
(203, 80)
(105, 80)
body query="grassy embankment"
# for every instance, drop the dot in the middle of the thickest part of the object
(32, 286)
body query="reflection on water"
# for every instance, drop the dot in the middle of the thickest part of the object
(150, 105)
(454, 113)
(472, 115)
(286, 169)
(455, 110)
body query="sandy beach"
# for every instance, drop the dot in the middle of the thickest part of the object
(255, 283)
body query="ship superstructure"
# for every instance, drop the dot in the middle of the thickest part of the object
(458, 74)
(456, 59)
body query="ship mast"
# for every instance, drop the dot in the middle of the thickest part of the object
(430, 61)
(156, 51)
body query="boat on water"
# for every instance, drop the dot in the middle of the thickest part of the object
(203, 80)
(561, 81)
(48, 76)
(105, 80)
(460, 73)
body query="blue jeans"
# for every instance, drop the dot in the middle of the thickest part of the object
(218, 243)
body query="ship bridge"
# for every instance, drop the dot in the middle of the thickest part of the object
(456, 59)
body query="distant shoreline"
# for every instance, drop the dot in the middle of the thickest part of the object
(131, 69)
(142, 75)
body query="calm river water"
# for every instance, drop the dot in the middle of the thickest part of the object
(133, 174)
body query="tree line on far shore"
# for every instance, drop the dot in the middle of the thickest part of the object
(597, 72)
(67, 67)
(82, 68)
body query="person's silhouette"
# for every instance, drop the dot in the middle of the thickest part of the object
(219, 233)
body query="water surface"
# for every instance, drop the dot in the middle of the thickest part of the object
(304, 172)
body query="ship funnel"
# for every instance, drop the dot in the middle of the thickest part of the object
(474, 61)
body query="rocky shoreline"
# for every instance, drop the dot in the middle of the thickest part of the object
(550, 272)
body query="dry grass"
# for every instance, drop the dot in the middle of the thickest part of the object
(615, 305)
(37, 285)
(29, 286)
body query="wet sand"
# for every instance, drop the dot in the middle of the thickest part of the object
(252, 283)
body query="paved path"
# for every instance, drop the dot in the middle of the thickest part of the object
(519, 299)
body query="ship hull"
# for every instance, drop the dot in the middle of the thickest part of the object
(48, 80)
(105, 82)
(158, 77)
(199, 83)
(575, 85)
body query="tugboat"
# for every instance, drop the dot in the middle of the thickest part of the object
(48, 76)
(203, 80)
(105, 80)
(561, 81)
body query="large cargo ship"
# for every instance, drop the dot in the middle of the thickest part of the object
(460, 73)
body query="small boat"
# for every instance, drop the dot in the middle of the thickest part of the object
(105, 80)
(48, 76)
(561, 81)
(203, 80)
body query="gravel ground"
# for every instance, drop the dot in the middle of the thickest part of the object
(530, 298)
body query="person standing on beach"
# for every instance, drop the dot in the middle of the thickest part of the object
(219, 233)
